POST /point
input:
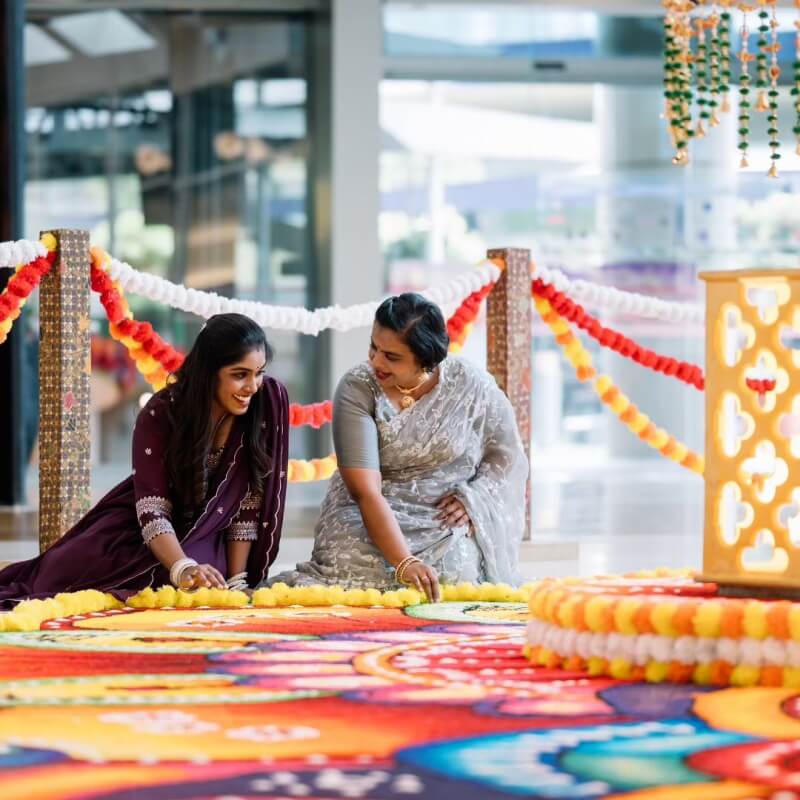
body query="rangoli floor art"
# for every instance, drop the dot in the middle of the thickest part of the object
(423, 703)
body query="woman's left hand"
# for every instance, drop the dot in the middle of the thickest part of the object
(452, 513)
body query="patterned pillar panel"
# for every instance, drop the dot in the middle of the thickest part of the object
(508, 337)
(64, 369)
(752, 475)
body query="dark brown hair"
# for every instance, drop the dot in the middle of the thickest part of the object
(225, 339)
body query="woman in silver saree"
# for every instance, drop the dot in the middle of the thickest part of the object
(431, 481)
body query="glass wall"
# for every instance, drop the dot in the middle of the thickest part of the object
(180, 141)
(573, 162)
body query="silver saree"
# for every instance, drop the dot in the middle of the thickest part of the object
(459, 438)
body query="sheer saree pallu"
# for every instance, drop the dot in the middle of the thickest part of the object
(461, 438)
(106, 549)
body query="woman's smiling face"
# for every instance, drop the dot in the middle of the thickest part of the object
(238, 382)
(391, 359)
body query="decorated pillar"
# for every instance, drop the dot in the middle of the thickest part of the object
(752, 481)
(508, 340)
(64, 369)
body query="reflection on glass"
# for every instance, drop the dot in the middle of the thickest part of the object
(179, 141)
(487, 30)
(581, 175)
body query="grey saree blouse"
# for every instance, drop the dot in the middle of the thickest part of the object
(459, 438)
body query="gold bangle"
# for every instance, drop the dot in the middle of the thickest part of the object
(401, 572)
(398, 569)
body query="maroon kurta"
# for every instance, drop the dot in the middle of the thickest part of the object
(106, 549)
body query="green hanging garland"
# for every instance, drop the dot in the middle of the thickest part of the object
(725, 60)
(714, 58)
(772, 116)
(745, 57)
(762, 103)
(702, 87)
(796, 87)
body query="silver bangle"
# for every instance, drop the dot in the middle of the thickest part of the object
(178, 568)
(237, 582)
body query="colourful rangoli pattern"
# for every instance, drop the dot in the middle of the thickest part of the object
(388, 704)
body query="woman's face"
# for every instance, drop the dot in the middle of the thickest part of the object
(392, 360)
(238, 382)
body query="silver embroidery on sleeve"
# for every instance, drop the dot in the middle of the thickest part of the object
(156, 528)
(153, 504)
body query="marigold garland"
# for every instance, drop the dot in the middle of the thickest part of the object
(671, 630)
(30, 614)
(316, 469)
(282, 595)
(314, 414)
(21, 285)
(575, 313)
(460, 325)
(153, 357)
(145, 346)
(156, 360)
(619, 403)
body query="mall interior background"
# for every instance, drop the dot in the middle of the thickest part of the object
(311, 153)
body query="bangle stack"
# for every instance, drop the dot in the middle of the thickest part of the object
(238, 582)
(400, 569)
(178, 568)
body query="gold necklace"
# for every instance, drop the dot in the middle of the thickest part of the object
(406, 401)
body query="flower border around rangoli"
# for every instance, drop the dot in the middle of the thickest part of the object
(663, 626)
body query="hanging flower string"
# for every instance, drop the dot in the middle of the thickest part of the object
(21, 285)
(774, 74)
(725, 55)
(678, 60)
(714, 66)
(637, 422)
(670, 65)
(574, 313)
(702, 87)
(745, 57)
(796, 76)
(762, 104)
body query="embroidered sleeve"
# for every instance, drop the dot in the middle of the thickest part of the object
(244, 526)
(150, 481)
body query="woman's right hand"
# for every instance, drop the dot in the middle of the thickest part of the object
(202, 576)
(424, 579)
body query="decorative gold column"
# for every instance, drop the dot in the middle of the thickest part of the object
(752, 475)
(508, 340)
(64, 369)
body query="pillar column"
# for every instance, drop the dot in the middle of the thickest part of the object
(357, 271)
(64, 369)
(508, 341)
